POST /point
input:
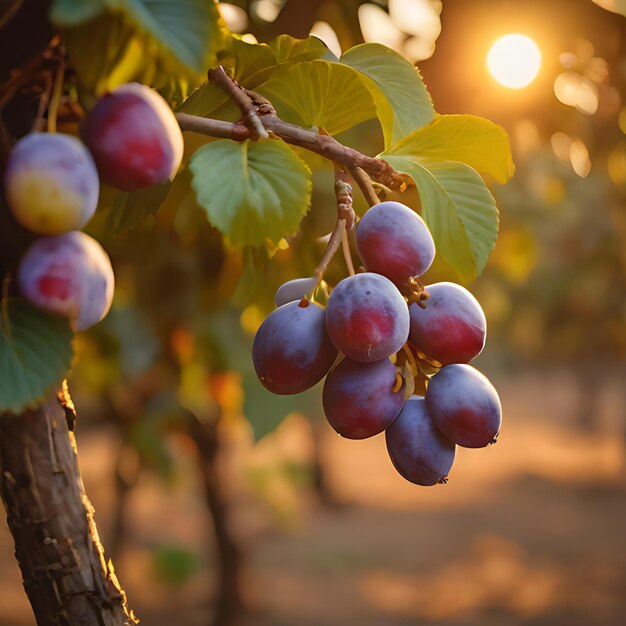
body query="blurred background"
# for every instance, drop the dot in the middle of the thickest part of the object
(223, 505)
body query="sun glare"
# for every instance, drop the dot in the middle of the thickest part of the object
(514, 61)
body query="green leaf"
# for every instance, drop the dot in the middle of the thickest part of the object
(476, 141)
(251, 65)
(130, 208)
(402, 100)
(265, 411)
(288, 49)
(35, 355)
(459, 210)
(251, 191)
(319, 93)
(190, 31)
(163, 43)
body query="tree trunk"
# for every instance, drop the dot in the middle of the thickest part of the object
(66, 576)
(230, 604)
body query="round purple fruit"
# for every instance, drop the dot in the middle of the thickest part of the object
(51, 183)
(359, 400)
(291, 350)
(418, 451)
(451, 326)
(134, 138)
(394, 241)
(294, 289)
(367, 318)
(464, 406)
(70, 275)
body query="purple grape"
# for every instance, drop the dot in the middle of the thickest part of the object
(417, 449)
(291, 350)
(51, 183)
(294, 289)
(134, 137)
(367, 318)
(451, 328)
(358, 398)
(394, 241)
(69, 275)
(464, 406)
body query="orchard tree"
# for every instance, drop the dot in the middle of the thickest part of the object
(193, 156)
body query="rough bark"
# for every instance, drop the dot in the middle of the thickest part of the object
(66, 576)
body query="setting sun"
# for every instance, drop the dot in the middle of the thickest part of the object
(514, 60)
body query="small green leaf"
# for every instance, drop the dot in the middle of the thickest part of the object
(401, 97)
(35, 354)
(319, 93)
(251, 191)
(265, 411)
(459, 210)
(135, 206)
(476, 141)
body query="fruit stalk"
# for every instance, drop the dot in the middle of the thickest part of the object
(66, 576)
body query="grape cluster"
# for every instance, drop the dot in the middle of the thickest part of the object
(392, 334)
(130, 140)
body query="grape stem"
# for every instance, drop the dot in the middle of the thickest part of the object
(365, 184)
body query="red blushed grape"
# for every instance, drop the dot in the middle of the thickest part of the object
(69, 275)
(451, 328)
(417, 449)
(292, 350)
(367, 318)
(359, 400)
(294, 289)
(394, 241)
(464, 406)
(134, 137)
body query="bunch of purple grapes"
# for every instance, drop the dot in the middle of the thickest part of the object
(392, 334)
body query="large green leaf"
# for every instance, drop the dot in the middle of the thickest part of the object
(251, 65)
(476, 141)
(459, 210)
(319, 93)
(251, 191)
(35, 354)
(168, 44)
(401, 97)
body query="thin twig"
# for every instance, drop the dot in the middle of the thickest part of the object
(220, 78)
(365, 184)
(331, 247)
(55, 100)
(343, 192)
(325, 146)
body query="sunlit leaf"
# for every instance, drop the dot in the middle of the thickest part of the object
(288, 49)
(321, 94)
(35, 354)
(251, 191)
(476, 141)
(401, 97)
(459, 210)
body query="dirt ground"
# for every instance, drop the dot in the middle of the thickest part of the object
(531, 531)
